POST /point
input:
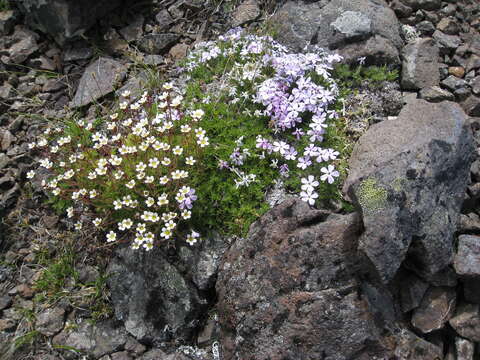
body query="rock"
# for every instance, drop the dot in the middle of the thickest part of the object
(420, 66)
(286, 291)
(467, 258)
(411, 347)
(429, 4)
(469, 223)
(157, 43)
(153, 59)
(448, 26)
(7, 20)
(96, 340)
(377, 51)
(155, 354)
(206, 336)
(50, 322)
(436, 308)
(5, 302)
(75, 54)
(7, 324)
(134, 30)
(413, 171)
(336, 24)
(436, 94)
(426, 28)
(53, 85)
(7, 140)
(178, 51)
(24, 44)
(466, 321)
(453, 83)
(6, 91)
(98, 80)
(134, 347)
(446, 43)
(412, 290)
(164, 20)
(472, 63)
(401, 10)
(470, 290)
(474, 83)
(88, 274)
(464, 349)
(246, 12)
(471, 105)
(457, 71)
(4, 160)
(23, 290)
(170, 306)
(65, 19)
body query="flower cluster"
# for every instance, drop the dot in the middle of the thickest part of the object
(294, 91)
(128, 176)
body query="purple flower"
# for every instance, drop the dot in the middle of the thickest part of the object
(290, 154)
(222, 164)
(284, 170)
(237, 157)
(304, 162)
(298, 133)
(190, 197)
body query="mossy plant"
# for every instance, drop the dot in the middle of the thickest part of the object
(354, 76)
(371, 196)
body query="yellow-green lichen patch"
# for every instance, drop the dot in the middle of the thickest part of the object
(371, 196)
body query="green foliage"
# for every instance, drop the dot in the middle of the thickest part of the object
(4, 5)
(355, 76)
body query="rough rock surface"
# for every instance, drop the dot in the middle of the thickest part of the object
(467, 258)
(352, 27)
(412, 171)
(466, 321)
(65, 19)
(170, 304)
(420, 65)
(99, 79)
(436, 308)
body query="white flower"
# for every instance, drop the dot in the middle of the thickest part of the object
(281, 147)
(309, 183)
(78, 225)
(141, 166)
(141, 228)
(149, 179)
(185, 128)
(153, 162)
(125, 224)
(329, 174)
(130, 184)
(31, 174)
(177, 150)
(111, 236)
(97, 222)
(166, 161)
(126, 93)
(203, 141)
(186, 214)
(163, 180)
(166, 233)
(150, 201)
(118, 174)
(170, 225)
(117, 204)
(93, 193)
(198, 114)
(162, 199)
(192, 238)
(309, 196)
(70, 212)
(190, 160)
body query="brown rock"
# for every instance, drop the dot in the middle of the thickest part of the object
(247, 11)
(178, 51)
(50, 321)
(466, 321)
(457, 71)
(436, 308)
(7, 324)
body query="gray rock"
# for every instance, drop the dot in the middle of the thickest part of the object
(337, 23)
(475, 84)
(436, 308)
(155, 354)
(471, 105)
(246, 12)
(5, 302)
(157, 43)
(448, 26)
(169, 305)
(6, 91)
(467, 258)
(472, 63)
(414, 172)
(285, 292)
(466, 321)
(134, 30)
(96, 340)
(24, 44)
(411, 347)
(98, 80)
(7, 20)
(75, 54)
(426, 27)
(469, 223)
(353, 25)
(429, 4)
(376, 49)
(412, 290)
(7, 140)
(65, 19)
(436, 94)
(50, 321)
(401, 10)
(465, 349)
(446, 42)
(153, 60)
(4, 160)
(454, 83)
(164, 20)
(420, 65)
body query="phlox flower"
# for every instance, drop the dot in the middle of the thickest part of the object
(329, 174)
(309, 183)
(309, 196)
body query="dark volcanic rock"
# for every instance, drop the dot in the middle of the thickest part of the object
(466, 322)
(157, 43)
(436, 94)
(420, 65)
(408, 177)
(346, 25)
(289, 291)
(412, 290)
(65, 19)
(99, 79)
(152, 297)
(467, 259)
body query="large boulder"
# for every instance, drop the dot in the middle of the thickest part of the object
(290, 290)
(65, 19)
(353, 27)
(420, 65)
(152, 296)
(408, 178)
